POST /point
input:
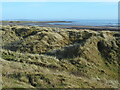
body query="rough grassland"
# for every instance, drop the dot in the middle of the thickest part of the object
(45, 57)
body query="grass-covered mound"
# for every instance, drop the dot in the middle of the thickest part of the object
(47, 57)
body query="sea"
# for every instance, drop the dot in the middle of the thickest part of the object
(112, 23)
(79, 22)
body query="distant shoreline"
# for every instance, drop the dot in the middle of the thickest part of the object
(46, 24)
(35, 21)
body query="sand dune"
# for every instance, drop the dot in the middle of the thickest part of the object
(49, 57)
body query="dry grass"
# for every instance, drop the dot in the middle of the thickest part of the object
(59, 58)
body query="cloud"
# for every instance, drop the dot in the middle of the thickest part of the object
(59, 0)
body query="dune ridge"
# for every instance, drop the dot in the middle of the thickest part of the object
(46, 57)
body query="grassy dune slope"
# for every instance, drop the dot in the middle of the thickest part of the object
(47, 57)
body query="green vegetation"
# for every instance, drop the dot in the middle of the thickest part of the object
(45, 57)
